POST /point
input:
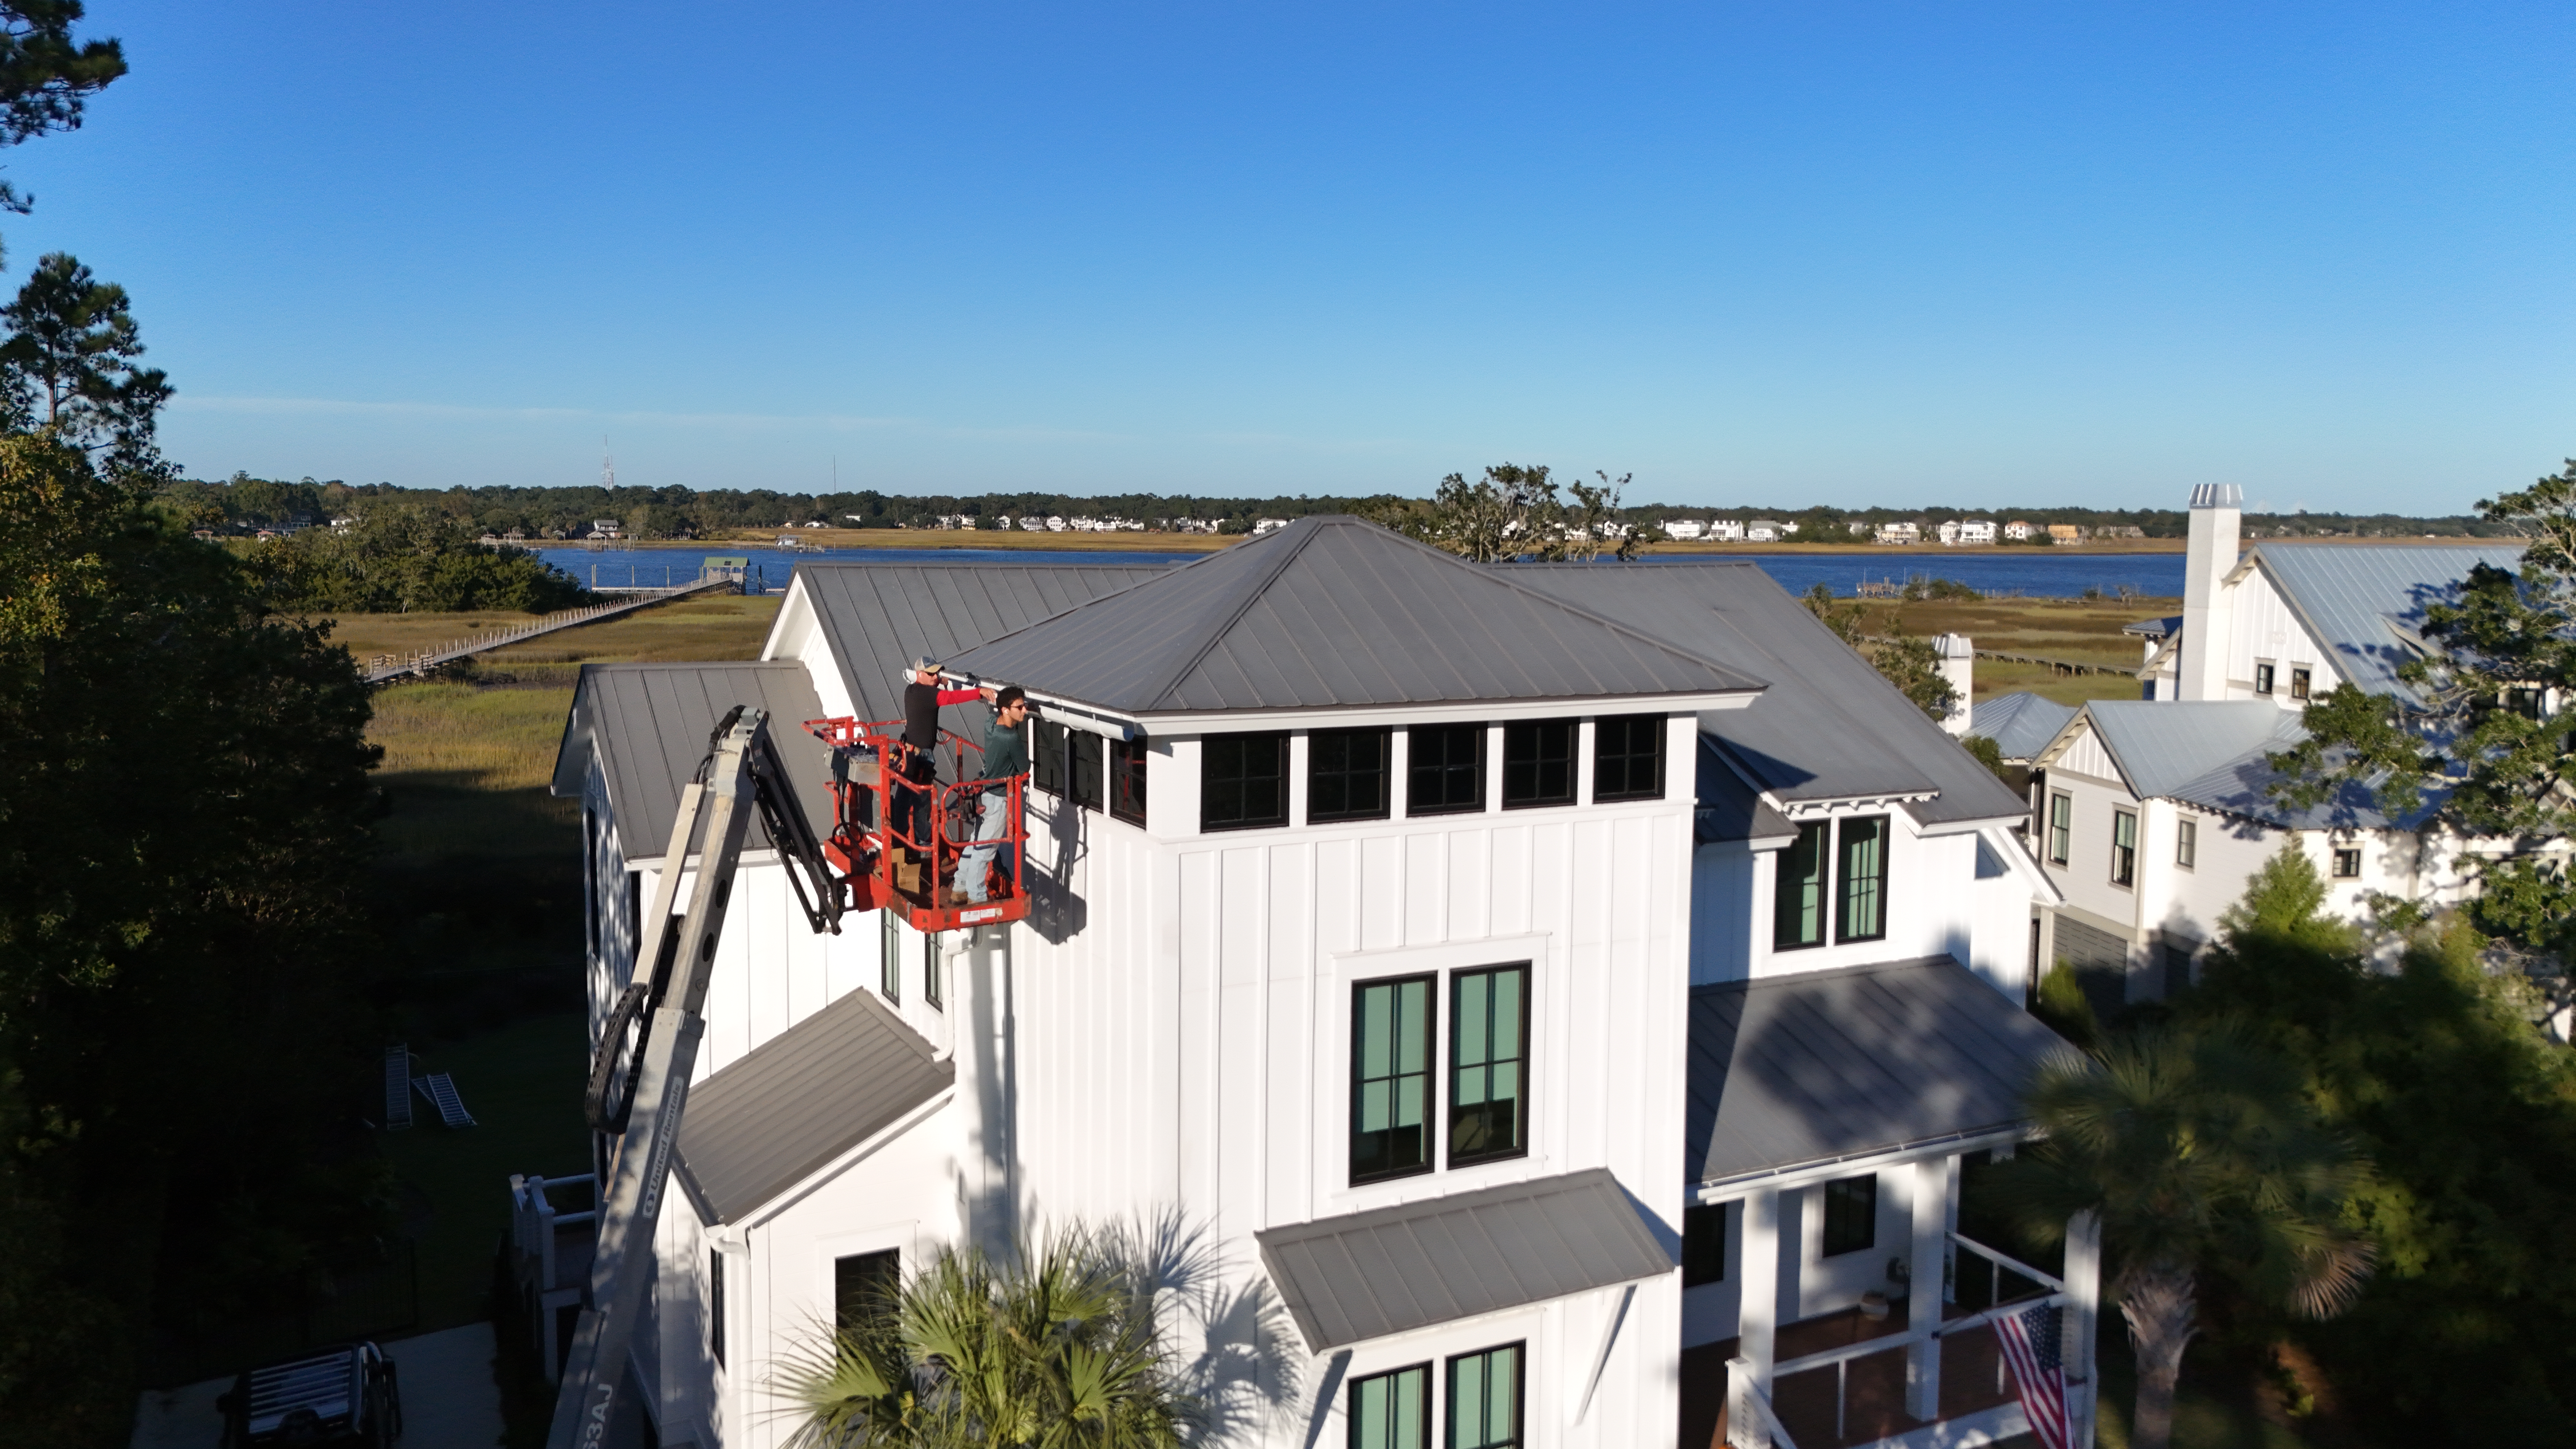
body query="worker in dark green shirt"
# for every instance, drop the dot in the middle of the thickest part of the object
(1006, 755)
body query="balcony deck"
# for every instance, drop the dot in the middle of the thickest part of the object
(1874, 1406)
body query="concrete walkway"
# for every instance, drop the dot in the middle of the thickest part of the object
(448, 1397)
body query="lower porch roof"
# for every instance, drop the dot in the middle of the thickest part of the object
(1811, 1068)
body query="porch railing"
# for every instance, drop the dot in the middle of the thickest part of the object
(1750, 1423)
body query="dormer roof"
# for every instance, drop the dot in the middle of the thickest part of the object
(2364, 604)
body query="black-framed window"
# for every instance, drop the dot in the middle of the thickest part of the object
(890, 955)
(1628, 757)
(1798, 891)
(2262, 679)
(1445, 773)
(1243, 781)
(2347, 862)
(1392, 1410)
(2186, 843)
(2061, 828)
(590, 878)
(1703, 1244)
(1538, 763)
(1488, 1064)
(635, 910)
(864, 1285)
(1390, 1077)
(930, 964)
(1860, 887)
(716, 1305)
(1083, 770)
(1485, 1399)
(2299, 679)
(2124, 847)
(1851, 1215)
(1046, 755)
(1346, 774)
(1127, 780)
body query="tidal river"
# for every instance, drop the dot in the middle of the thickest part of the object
(2034, 573)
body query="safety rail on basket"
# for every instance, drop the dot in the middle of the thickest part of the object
(902, 837)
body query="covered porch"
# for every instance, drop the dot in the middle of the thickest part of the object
(1830, 1299)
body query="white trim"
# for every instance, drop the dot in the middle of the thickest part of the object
(1194, 722)
(1808, 1174)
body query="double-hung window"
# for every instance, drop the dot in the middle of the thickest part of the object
(1488, 1064)
(1390, 1078)
(1127, 780)
(1798, 891)
(1538, 763)
(1628, 757)
(1392, 1410)
(1861, 861)
(2299, 683)
(2124, 847)
(1243, 781)
(1346, 774)
(1446, 772)
(2262, 679)
(2186, 842)
(2061, 828)
(1485, 1399)
(890, 955)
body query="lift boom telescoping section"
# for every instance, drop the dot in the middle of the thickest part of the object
(639, 1089)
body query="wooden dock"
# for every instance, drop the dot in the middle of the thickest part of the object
(387, 667)
(2058, 666)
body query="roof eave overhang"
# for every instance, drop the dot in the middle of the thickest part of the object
(1790, 1175)
(1474, 711)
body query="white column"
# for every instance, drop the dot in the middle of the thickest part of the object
(1746, 1428)
(2078, 1327)
(1758, 1312)
(1924, 1294)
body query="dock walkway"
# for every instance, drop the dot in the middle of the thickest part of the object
(387, 667)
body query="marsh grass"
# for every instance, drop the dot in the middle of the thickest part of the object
(2083, 631)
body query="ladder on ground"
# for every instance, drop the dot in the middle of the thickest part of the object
(398, 1087)
(440, 1089)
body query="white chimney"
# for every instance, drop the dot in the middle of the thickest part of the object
(2208, 606)
(1959, 666)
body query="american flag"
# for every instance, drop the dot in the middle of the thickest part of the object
(2030, 1344)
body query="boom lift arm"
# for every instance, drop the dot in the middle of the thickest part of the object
(638, 1091)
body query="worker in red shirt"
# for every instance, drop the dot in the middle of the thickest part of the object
(911, 796)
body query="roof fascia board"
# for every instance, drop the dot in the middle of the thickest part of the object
(2007, 842)
(1791, 1176)
(1200, 722)
(1842, 804)
(1963, 827)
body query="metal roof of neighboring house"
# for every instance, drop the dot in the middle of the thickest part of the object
(877, 616)
(2162, 628)
(1787, 1071)
(2212, 753)
(1332, 612)
(1730, 809)
(2360, 603)
(1389, 1270)
(1830, 727)
(801, 1099)
(650, 722)
(2021, 724)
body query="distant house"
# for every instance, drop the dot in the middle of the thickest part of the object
(2018, 531)
(1766, 530)
(1857, 527)
(956, 520)
(1726, 530)
(1261, 526)
(2119, 530)
(1683, 530)
(2065, 535)
(343, 523)
(1957, 531)
(516, 535)
(1899, 533)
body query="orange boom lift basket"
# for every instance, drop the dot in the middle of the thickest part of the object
(874, 845)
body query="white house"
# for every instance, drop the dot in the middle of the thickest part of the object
(1575, 979)
(1898, 533)
(1767, 530)
(2018, 531)
(1955, 532)
(1683, 530)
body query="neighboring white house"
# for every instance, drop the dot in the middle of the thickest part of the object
(1956, 532)
(1683, 530)
(1575, 975)
(1905, 532)
(2019, 531)
(1726, 530)
(1767, 530)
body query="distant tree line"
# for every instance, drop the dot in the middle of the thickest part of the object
(244, 503)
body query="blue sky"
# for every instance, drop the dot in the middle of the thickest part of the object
(1797, 253)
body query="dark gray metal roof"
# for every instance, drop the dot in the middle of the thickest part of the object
(2021, 724)
(800, 1099)
(1389, 1270)
(2162, 628)
(879, 615)
(649, 724)
(1729, 809)
(2348, 597)
(1830, 727)
(1334, 612)
(1793, 1070)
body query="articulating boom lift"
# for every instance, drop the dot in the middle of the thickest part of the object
(639, 1083)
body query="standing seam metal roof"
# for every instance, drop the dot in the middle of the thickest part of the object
(1389, 1270)
(649, 724)
(1830, 727)
(1822, 1065)
(2347, 595)
(1335, 612)
(801, 1099)
(2213, 753)
(2021, 724)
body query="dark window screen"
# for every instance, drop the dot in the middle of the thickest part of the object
(1083, 769)
(1703, 1245)
(1447, 770)
(1851, 1214)
(864, 1285)
(1628, 757)
(1346, 774)
(1127, 780)
(1538, 763)
(1243, 781)
(1046, 756)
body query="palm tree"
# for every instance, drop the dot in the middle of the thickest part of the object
(1059, 1348)
(2198, 1152)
